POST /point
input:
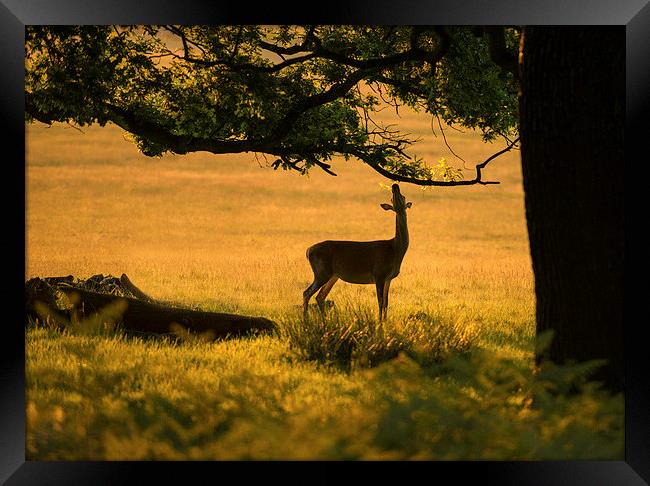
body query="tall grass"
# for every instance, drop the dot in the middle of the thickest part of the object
(353, 337)
(131, 399)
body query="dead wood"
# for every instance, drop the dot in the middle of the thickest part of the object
(126, 282)
(39, 290)
(142, 314)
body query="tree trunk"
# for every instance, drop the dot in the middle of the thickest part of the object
(572, 116)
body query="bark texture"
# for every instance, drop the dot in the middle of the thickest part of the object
(572, 115)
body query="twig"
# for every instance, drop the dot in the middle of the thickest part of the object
(372, 162)
(446, 143)
(70, 125)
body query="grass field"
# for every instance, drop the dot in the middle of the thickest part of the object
(228, 233)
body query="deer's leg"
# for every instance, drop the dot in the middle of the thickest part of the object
(325, 289)
(385, 295)
(381, 284)
(318, 282)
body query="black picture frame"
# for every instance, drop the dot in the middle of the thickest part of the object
(633, 15)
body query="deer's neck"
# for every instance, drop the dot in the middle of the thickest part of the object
(401, 235)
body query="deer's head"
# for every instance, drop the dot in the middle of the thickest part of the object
(399, 204)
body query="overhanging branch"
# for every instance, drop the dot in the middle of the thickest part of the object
(375, 164)
(404, 68)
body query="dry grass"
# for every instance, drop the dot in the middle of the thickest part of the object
(224, 233)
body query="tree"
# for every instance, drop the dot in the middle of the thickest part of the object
(299, 94)
(572, 125)
(303, 94)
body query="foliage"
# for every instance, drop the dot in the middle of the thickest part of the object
(474, 90)
(299, 93)
(508, 411)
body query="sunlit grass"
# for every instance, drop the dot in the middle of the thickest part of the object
(224, 234)
(353, 337)
(132, 399)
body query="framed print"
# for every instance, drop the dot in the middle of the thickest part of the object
(199, 192)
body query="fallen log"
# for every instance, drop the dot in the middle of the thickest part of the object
(151, 317)
(130, 286)
(39, 290)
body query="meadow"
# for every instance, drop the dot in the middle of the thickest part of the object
(227, 233)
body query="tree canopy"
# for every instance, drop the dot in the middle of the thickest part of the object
(301, 94)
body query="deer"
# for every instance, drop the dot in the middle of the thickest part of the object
(360, 262)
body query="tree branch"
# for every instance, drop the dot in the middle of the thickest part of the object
(156, 133)
(499, 54)
(374, 163)
(333, 93)
(414, 53)
(402, 70)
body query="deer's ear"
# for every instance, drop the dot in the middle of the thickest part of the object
(409, 204)
(387, 207)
